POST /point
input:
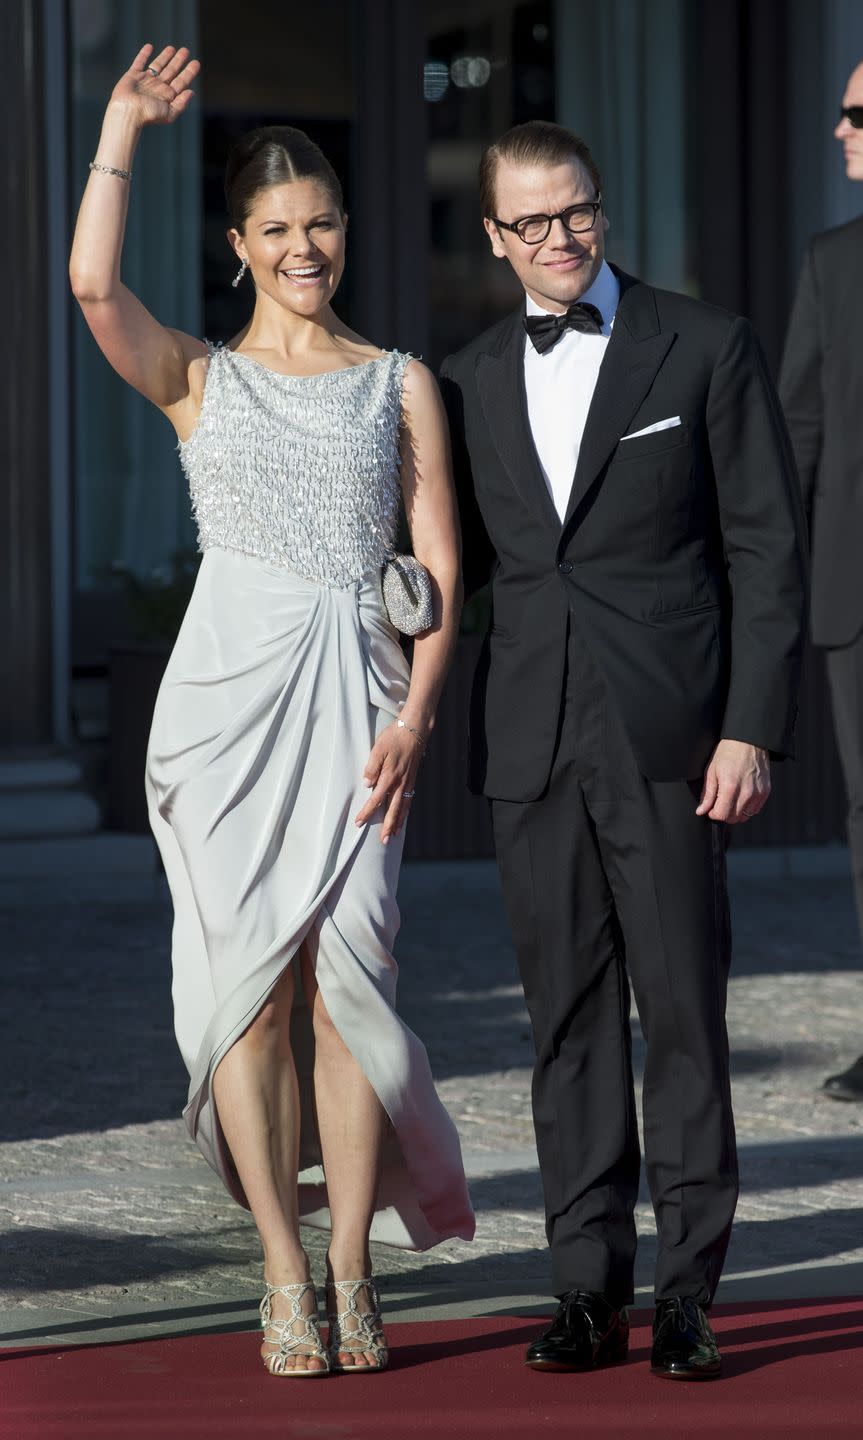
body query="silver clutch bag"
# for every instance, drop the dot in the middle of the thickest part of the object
(407, 594)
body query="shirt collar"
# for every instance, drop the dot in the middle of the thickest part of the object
(604, 293)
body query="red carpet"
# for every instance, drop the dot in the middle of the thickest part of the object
(789, 1371)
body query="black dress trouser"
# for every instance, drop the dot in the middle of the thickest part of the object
(845, 674)
(608, 873)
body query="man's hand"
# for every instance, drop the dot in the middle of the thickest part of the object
(736, 782)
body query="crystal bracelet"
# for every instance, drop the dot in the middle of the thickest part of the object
(110, 170)
(403, 725)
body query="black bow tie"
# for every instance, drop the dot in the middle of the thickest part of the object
(545, 330)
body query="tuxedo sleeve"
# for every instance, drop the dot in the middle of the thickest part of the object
(477, 550)
(800, 380)
(763, 532)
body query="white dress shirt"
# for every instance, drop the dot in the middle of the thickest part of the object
(560, 386)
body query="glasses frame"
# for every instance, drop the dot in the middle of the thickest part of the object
(594, 205)
(847, 111)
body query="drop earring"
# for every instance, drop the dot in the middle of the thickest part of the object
(240, 273)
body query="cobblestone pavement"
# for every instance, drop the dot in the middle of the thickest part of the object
(108, 1211)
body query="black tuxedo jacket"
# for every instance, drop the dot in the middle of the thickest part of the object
(682, 554)
(821, 385)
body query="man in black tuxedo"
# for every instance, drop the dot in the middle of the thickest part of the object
(821, 386)
(626, 481)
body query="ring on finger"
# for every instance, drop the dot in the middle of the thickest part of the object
(408, 794)
(153, 71)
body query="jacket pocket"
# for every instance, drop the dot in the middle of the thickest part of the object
(642, 447)
(665, 615)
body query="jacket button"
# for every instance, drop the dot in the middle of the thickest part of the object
(565, 567)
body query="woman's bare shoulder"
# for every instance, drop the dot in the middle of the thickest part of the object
(419, 385)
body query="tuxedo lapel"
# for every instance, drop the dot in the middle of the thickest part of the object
(635, 352)
(500, 385)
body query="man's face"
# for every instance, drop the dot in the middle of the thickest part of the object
(852, 140)
(564, 266)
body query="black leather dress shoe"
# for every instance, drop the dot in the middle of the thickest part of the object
(586, 1332)
(848, 1085)
(684, 1346)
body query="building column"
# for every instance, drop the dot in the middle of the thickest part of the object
(389, 224)
(742, 162)
(620, 83)
(40, 787)
(26, 718)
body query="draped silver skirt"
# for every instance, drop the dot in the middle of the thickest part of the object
(271, 701)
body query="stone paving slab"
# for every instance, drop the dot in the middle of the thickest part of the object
(108, 1212)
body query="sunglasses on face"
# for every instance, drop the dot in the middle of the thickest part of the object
(853, 114)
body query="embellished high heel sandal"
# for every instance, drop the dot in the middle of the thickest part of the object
(289, 1338)
(354, 1330)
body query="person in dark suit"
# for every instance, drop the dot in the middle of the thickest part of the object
(627, 484)
(821, 385)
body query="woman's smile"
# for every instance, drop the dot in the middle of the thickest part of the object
(304, 276)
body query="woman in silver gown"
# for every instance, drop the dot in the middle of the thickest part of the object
(288, 732)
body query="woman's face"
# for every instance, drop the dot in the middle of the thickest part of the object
(294, 241)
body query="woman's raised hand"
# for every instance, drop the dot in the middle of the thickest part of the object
(155, 89)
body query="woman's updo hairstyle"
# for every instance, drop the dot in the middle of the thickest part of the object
(274, 155)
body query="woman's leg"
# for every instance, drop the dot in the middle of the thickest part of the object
(256, 1093)
(352, 1123)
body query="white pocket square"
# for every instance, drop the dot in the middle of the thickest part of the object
(668, 424)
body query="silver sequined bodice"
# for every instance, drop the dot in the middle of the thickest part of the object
(301, 471)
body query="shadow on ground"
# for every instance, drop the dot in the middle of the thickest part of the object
(88, 985)
(78, 1259)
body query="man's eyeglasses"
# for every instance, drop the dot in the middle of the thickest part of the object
(533, 229)
(853, 114)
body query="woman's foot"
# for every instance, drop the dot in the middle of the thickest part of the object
(356, 1341)
(292, 1339)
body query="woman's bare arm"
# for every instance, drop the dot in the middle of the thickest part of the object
(152, 358)
(432, 516)
(433, 519)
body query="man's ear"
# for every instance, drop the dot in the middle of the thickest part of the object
(494, 236)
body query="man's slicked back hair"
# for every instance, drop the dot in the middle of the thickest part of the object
(536, 142)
